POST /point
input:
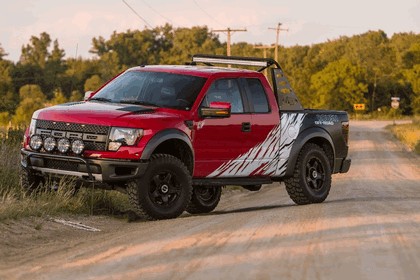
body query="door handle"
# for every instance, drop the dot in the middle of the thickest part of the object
(246, 127)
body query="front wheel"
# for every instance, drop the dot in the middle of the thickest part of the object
(30, 182)
(164, 191)
(204, 199)
(311, 181)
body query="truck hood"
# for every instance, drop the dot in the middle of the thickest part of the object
(102, 114)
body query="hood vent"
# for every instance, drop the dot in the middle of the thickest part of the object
(71, 103)
(136, 109)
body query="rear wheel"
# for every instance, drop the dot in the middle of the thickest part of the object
(204, 199)
(311, 181)
(164, 191)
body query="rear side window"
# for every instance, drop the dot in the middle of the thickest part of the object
(258, 97)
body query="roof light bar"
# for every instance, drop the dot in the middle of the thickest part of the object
(230, 61)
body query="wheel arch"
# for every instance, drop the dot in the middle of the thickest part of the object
(314, 135)
(165, 141)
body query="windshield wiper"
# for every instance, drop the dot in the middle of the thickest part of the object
(137, 102)
(100, 99)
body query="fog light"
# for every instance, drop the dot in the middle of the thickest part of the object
(114, 146)
(50, 144)
(36, 142)
(77, 146)
(63, 145)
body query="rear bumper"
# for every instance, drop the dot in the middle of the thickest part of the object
(90, 170)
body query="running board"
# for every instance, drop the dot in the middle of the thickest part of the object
(230, 181)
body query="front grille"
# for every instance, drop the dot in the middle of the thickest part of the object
(74, 127)
(93, 146)
(85, 132)
(61, 164)
(70, 166)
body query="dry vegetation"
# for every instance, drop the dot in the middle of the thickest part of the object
(15, 203)
(409, 134)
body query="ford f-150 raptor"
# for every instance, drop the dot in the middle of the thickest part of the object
(172, 136)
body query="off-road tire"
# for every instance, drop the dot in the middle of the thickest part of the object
(311, 180)
(164, 191)
(204, 199)
(30, 182)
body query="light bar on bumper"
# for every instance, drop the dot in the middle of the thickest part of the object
(36, 142)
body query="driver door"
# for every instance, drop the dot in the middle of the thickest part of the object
(219, 142)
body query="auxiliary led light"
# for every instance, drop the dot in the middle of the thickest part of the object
(63, 145)
(50, 144)
(36, 142)
(77, 146)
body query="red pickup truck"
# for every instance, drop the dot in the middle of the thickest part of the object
(172, 136)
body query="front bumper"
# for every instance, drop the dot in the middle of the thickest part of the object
(90, 170)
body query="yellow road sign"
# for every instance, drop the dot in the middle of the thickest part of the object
(359, 107)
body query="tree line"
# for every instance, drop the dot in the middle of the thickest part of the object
(369, 68)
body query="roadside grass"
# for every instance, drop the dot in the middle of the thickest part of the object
(16, 203)
(409, 134)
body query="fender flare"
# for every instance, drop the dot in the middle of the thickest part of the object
(304, 137)
(163, 136)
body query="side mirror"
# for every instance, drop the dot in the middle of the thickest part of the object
(216, 110)
(88, 94)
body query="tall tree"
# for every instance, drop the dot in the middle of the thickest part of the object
(8, 100)
(54, 69)
(39, 65)
(36, 53)
(31, 99)
(190, 41)
(338, 86)
(2, 52)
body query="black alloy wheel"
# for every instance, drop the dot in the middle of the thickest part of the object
(204, 199)
(164, 191)
(311, 180)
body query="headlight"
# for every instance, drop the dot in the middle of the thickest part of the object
(63, 145)
(77, 146)
(36, 142)
(123, 136)
(50, 144)
(32, 127)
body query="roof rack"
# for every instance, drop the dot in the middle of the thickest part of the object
(235, 60)
(285, 96)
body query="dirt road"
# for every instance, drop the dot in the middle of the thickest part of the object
(369, 228)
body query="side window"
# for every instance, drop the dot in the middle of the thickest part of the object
(225, 90)
(258, 97)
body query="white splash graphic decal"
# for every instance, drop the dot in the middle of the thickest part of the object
(264, 158)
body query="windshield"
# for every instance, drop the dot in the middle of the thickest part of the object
(152, 89)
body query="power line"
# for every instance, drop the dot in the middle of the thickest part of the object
(139, 16)
(156, 12)
(210, 16)
(229, 31)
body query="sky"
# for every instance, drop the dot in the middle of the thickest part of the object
(74, 23)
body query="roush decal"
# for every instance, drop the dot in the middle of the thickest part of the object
(263, 159)
(291, 124)
(326, 119)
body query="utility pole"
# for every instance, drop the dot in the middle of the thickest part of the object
(229, 31)
(277, 29)
(264, 48)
